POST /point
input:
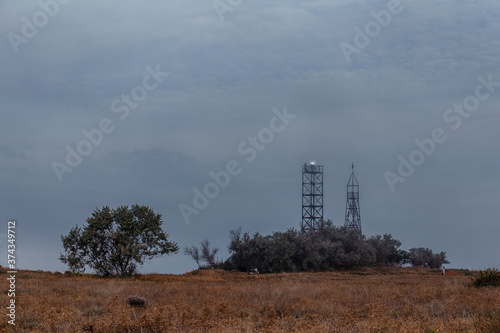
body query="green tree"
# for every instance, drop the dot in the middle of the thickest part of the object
(424, 257)
(387, 249)
(247, 251)
(281, 250)
(116, 241)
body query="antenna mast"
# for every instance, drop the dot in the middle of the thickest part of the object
(352, 211)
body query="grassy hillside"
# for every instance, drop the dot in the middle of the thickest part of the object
(369, 300)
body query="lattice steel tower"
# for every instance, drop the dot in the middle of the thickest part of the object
(312, 196)
(352, 212)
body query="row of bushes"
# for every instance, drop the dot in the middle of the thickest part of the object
(328, 248)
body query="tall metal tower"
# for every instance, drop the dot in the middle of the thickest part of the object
(312, 196)
(352, 212)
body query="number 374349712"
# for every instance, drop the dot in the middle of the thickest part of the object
(12, 243)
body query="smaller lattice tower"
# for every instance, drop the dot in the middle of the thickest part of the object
(352, 212)
(312, 196)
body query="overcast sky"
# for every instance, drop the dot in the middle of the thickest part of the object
(107, 103)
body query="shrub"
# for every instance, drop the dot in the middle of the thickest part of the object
(490, 277)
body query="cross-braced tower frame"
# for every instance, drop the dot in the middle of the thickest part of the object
(352, 212)
(312, 196)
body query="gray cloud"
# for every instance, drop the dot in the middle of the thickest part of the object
(225, 78)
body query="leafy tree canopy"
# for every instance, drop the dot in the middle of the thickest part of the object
(425, 257)
(116, 241)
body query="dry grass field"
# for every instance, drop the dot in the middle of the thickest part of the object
(370, 300)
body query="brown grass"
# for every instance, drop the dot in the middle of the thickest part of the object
(369, 300)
